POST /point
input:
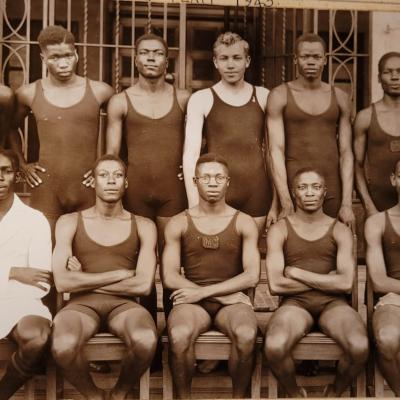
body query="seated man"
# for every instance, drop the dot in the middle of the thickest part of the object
(105, 256)
(25, 265)
(310, 264)
(216, 245)
(382, 234)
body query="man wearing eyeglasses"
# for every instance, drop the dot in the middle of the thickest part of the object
(308, 123)
(310, 264)
(216, 245)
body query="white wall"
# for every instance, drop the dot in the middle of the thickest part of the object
(385, 37)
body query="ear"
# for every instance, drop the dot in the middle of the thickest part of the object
(295, 59)
(76, 55)
(393, 179)
(126, 183)
(379, 78)
(248, 60)
(42, 57)
(92, 184)
(215, 62)
(194, 181)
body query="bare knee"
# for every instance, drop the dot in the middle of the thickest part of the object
(65, 347)
(358, 347)
(276, 347)
(244, 338)
(181, 338)
(33, 340)
(142, 341)
(388, 341)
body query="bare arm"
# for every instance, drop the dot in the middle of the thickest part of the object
(7, 103)
(278, 283)
(382, 283)
(171, 258)
(76, 281)
(116, 112)
(192, 147)
(276, 139)
(141, 284)
(361, 126)
(346, 214)
(342, 280)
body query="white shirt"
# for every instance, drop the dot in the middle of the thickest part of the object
(25, 241)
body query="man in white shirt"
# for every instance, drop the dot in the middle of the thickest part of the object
(25, 275)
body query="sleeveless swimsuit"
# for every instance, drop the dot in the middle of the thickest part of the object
(311, 141)
(317, 256)
(68, 147)
(383, 151)
(97, 258)
(154, 148)
(209, 259)
(237, 134)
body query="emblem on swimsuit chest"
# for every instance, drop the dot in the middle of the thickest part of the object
(210, 242)
(395, 146)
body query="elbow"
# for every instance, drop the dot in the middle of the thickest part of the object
(275, 289)
(346, 287)
(253, 280)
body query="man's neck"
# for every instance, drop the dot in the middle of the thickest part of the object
(53, 81)
(391, 101)
(309, 217)
(233, 87)
(108, 210)
(208, 208)
(309, 83)
(155, 86)
(5, 205)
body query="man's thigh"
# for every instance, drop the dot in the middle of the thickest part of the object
(230, 318)
(191, 319)
(132, 319)
(75, 324)
(289, 323)
(340, 321)
(387, 318)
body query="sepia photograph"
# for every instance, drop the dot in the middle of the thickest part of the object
(199, 199)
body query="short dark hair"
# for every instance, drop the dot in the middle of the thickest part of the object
(305, 170)
(311, 38)
(12, 156)
(384, 58)
(211, 157)
(152, 36)
(109, 157)
(229, 39)
(55, 34)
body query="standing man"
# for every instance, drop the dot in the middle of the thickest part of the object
(310, 264)
(6, 112)
(67, 111)
(382, 234)
(105, 256)
(216, 245)
(232, 116)
(308, 124)
(377, 140)
(150, 117)
(25, 275)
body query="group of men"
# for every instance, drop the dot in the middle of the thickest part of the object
(109, 219)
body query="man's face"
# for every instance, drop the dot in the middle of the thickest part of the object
(151, 59)
(310, 59)
(390, 77)
(231, 62)
(212, 181)
(110, 181)
(61, 60)
(7, 178)
(309, 192)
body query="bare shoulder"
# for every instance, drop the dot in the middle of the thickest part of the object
(6, 94)
(277, 233)
(182, 96)
(118, 103)
(342, 231)
(144, 223)
(363, 118)
(102, 91)
(200, 99)
(176, 225)
(342, 97)
(262, 96)
(67, 224)
(374, 224)
(277, 97)
(26, 93)
(245, 223)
